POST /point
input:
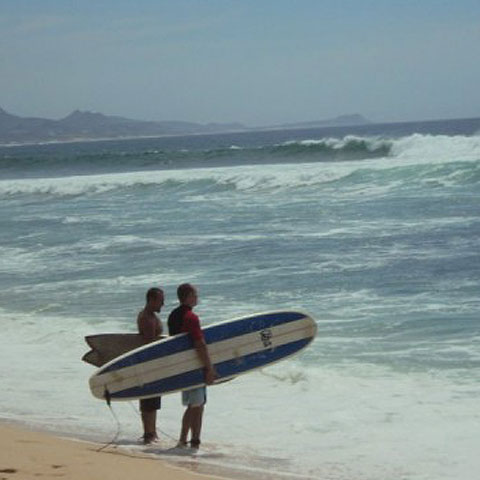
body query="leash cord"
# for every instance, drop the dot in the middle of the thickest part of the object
(119, 427)
(117, 434)
(160, 430)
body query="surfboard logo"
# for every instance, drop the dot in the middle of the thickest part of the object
(266, 337)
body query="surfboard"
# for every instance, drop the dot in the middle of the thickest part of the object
(107, 346)
(236, 347)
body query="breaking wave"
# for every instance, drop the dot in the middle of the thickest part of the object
(427, 159)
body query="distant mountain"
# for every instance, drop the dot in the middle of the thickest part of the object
(89, 125)
(341, 121)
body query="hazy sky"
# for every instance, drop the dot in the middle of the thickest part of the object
(254, 61)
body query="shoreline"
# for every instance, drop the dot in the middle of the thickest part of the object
(53, 453)
(27, 453)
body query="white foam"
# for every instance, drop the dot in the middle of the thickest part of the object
(365, 419)
(430, 148)
(371, 143)
(437, 148)
(240, 178)
(324, 421)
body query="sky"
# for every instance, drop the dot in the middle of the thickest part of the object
(258, 62)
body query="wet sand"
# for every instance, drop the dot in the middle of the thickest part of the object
(26, 455)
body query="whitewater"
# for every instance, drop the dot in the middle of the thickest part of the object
(373, 230)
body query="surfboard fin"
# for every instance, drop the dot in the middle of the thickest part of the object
(93, 356)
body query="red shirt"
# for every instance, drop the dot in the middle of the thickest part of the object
(191, 325)
(183, 320)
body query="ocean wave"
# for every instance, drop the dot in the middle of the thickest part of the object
(350, 147)
(327, 149)
(422, 160)
(197, 184)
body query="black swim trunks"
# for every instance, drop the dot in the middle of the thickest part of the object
(150, 404)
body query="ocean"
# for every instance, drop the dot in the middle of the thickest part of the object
(374, 230)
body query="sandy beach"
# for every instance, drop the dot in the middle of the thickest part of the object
(25, 455)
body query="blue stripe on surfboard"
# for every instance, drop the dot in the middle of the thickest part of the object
(213, 333)
(225, 369)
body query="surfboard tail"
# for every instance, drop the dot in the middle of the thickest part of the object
(107, 346)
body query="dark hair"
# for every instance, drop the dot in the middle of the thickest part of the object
(184, 290)
(152, 293)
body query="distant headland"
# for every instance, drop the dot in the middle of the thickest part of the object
(85, 125)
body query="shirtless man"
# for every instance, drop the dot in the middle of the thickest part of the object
(150, 328)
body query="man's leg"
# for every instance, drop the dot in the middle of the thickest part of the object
(197, 417)
(194, 400)
(149, 420)
(149, 409)
(186, 426)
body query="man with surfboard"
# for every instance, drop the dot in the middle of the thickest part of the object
(150, 327)
(183, 320)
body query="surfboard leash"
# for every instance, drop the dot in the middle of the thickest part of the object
(107, 397)
(159, 429)
(119, 426)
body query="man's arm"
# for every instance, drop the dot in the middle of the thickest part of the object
(202, 350)
(195, 331)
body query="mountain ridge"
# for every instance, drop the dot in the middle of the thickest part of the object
(86, 125)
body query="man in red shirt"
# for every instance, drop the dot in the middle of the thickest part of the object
(183, 320)
(150, 328)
